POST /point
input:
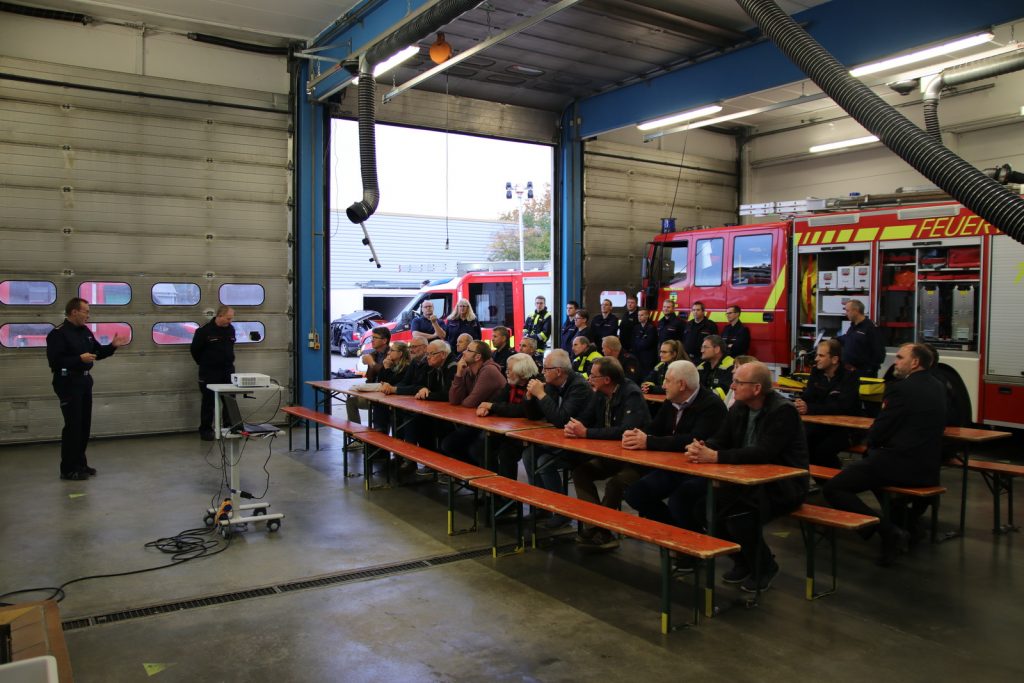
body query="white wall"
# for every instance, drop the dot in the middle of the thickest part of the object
(150, 53)
(986, 128)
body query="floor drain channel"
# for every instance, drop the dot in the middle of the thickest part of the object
(291, 586)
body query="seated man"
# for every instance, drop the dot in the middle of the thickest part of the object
(477, 378)
(618, 406)
(433, 385)
(831, 390)
(612, 348)
(502, 350)
(715, 368)
(584, 353)
(529, 346)
(380, 340)
(762, 427)
(562, 395)
(416, 373)
(904, 445)
(690, 412)
(461, 343)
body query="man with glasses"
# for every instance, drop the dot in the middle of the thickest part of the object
(562, 395)
(618, 406)
(380, 340)
(736, 335)
(689, 412)
(416, 374)
(762, 427)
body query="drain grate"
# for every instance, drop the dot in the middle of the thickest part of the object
(290, 587)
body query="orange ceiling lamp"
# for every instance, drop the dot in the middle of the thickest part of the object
(440, 51)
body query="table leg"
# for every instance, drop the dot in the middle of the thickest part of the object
(709, 582)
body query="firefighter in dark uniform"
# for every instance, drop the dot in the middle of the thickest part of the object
(645, 342)
(716, 366)
(213, 350)
(538, 325)
(831, 390)
(71, 350)
(699, 328)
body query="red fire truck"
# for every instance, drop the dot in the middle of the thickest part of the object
(927, 270)
(502, 297)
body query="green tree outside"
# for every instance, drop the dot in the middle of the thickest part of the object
(536, 231)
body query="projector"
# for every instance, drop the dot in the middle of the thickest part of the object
(250, 379)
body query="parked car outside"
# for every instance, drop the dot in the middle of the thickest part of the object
(347, 330)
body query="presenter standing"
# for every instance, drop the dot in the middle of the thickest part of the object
(71, 351)
(213, 349)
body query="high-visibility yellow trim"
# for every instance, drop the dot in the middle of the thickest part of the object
(844, 235)
(815, 237)
(664, 623)
(898, 232)
(797, 238)
(865, 234)
(809, 588)
(827, 239)
(780, 284)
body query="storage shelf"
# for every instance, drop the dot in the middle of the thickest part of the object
(939, 282)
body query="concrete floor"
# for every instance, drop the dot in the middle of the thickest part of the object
(947, 611)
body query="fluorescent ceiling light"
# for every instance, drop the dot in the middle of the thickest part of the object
(922, 55)
(391, 62)
(844, 143)
(678, 118)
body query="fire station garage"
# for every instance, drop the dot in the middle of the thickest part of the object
(808, 170)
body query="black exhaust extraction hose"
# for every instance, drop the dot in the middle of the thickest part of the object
(421, 26)
(972, 188)
(960, 75)
(363, 209)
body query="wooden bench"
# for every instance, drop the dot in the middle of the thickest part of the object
(459, 473)
(999, 477)
(669, 538)
(346, 427)
(929, 493)
(819, 523)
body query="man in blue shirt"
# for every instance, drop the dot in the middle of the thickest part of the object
(426, 326)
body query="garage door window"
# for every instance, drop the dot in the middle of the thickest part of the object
(174, 332)
(105, 293)
(24, 335)
(242, 295)
(175, 294)
(27, 292)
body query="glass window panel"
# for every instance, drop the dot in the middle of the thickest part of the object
(175, 294)
(249, 332)
(105, 332)
(752, 260)
(708, 262)
(174, 332)
(241, 295)
(24, 335)
(27, 292)
(105, 293)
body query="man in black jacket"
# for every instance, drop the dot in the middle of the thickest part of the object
(831, 390)
(689, 412)
(735, 334)
(645, 342)
(670, 325)
(618, 405)
(562, 395)
(628, 322)
(762, 427)
(699, 328)
(502, 348)
(863, 346)
(904, 444)
(568, 331)
(71, 351)
(604, 324)
(213, 350)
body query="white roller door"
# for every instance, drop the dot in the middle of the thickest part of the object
(138, 180)
(627, 190)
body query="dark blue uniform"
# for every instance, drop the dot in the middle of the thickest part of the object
(695, 333)
(671, 326)
(538, 326)
(567, 334)
(736, 339)
(863, 348)
(645, 346)
(213, 350)
(72, 382)
(601, 327)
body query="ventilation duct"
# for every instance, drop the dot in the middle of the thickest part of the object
(971, 187)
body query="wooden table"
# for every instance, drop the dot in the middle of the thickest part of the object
(327, 391)
(36, 632)
(965, 436)
(744, 475)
